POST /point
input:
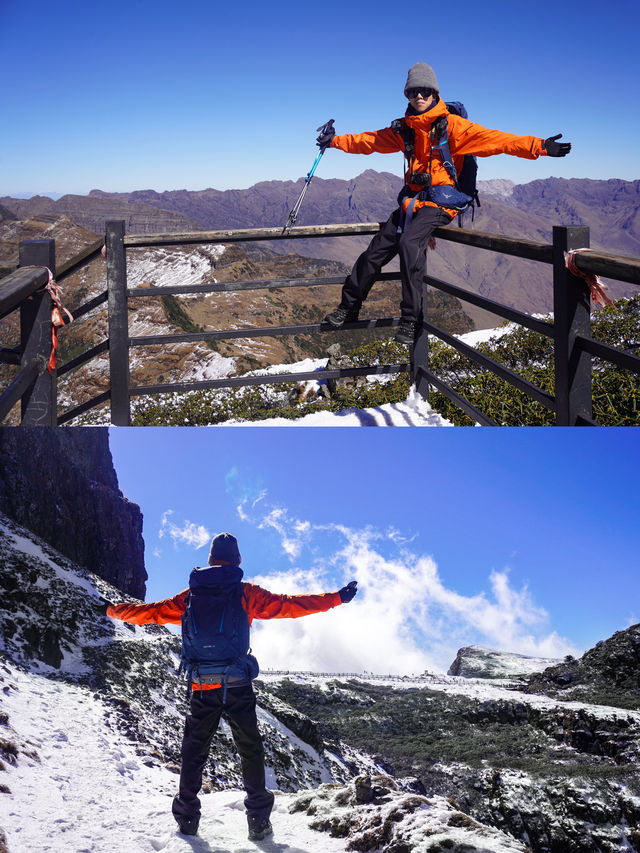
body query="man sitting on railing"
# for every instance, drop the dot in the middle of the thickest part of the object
(216, 612)
(435, 142)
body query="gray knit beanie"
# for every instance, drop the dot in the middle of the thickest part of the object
(224, 548)
(421, 75)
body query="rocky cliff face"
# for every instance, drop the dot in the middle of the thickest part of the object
(62, 485)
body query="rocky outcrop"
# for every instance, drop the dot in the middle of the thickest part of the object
(480, 662)
(62, 485)
(607, 674)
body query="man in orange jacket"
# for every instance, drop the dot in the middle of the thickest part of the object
(214, 696)
(409, 228)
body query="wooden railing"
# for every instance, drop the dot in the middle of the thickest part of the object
(570, 329)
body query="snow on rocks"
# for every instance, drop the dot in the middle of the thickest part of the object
(167, 267)
(372, 813)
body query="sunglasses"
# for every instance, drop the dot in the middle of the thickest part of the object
(413, 93)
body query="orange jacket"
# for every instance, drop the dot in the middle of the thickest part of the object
(258, 603)
(465, 137)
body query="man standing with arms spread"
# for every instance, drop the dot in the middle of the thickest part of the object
(216, 612)
(429, 198)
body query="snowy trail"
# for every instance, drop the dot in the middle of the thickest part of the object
(89, 792)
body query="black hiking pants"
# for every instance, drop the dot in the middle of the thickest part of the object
(410, 245)
(200, 726)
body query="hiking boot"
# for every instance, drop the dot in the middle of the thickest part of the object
(342, 315)
(188, 825)
(406, 332)
(259, 828)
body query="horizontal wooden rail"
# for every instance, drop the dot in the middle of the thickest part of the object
(18, 286)
(14, 391)
(233, 286)
(527, 249)
(263, 284)
(269, 379)
(96, 302)
(10, 356)
(605, 351)
(84, 357)
(84, 407)
(533, 323)
(617, 267)
(80, 260)
(243, 235)
(269, 331)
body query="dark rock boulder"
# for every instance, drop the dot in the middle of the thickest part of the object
(61, 484)
(607, 674)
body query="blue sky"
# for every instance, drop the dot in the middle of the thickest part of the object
(521, 539)
(200, 94)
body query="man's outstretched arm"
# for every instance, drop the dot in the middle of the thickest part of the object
(164, 612)
(262, 604)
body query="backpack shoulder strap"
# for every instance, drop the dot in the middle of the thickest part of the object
(441, 128)
(408, 135)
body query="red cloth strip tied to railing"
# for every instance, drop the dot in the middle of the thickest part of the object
(597, 287)
(57, 309)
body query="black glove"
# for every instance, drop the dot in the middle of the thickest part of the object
(348, 592)
(327, 133)
(556, 149)
(102, 608)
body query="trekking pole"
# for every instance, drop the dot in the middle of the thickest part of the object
(325, 128)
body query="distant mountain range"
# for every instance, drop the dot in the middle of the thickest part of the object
(528, 211)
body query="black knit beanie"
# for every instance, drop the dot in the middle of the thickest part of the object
(421, 75)
(224, 548)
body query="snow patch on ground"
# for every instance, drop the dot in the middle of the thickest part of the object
(170, 267)
(414, 411)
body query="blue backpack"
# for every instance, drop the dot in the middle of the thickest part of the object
(465, 194)
(215, 629)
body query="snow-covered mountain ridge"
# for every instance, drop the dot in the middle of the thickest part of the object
(91, 721)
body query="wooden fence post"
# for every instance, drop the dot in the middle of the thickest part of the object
(420, 348)
(571, 310)
(39, 402)
(118, 323)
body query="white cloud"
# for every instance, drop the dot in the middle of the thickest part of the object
(194, 535)
(405, 619)
(294, 534)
